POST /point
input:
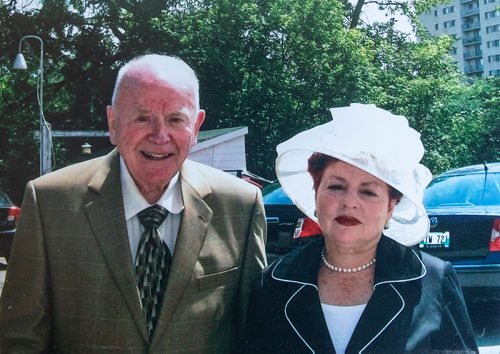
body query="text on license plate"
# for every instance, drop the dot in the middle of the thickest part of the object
(436, 240)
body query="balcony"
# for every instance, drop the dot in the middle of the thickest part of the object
(473, 54)
(473, 69)
(470, 12)
(472, 40)
(471, 26)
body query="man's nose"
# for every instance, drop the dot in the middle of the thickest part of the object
(160, 133)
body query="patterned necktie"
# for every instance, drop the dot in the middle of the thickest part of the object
(152, 264)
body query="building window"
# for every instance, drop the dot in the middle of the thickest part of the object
(454, 50)
(491, 14)
(448, 24)
(448, 10)
(491, 29)
(494, 58)
(495, 43)
(495, 72)
(436, 26)
(490, 1)
(435, 13)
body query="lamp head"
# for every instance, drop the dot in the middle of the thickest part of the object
(86, 149)
(19, 62)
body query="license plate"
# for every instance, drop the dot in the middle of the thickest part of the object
(298, 228)
(436, 240)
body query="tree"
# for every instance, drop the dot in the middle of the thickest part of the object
(410, 9)
(275, 66)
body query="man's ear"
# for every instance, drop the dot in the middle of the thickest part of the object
(111, 124)
(200, 118)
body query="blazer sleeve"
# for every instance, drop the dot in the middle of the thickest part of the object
(456, 326)
(254, 258)
(24, 305)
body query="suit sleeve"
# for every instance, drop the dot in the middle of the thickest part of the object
(24, 304)
(456, 326)
(254, 259)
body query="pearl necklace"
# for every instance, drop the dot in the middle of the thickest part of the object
(345, 270)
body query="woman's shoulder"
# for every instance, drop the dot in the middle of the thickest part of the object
(299, 266)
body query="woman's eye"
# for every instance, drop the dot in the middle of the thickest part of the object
(336, 187)
(369, 193)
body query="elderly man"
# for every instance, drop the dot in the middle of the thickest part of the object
(140, 250)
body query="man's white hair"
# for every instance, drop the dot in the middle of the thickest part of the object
(166, 68)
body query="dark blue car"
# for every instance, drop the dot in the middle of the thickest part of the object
(463, 206)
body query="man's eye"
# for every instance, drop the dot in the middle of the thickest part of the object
(177, 119)
(142, 119)
(369, 193)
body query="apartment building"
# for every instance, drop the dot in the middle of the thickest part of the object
(476, 26)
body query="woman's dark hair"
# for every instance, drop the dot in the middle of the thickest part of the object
(317, 164)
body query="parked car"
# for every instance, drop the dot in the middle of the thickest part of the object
(463, 206)
(287, 226)
(9, 215)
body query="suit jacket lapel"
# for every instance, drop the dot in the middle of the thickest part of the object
(107, 219)
(196, 219)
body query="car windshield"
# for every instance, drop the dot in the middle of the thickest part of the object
(274, 194)
(464, 190)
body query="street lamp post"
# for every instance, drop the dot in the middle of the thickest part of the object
(45, 131)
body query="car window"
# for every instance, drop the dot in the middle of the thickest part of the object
(463, 190)
(4, 200)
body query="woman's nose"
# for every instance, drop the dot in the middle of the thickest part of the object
(349, 200)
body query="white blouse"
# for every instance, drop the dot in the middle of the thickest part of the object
(341, 321)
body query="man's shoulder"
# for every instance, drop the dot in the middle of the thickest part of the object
(78, 173)
(214, 177)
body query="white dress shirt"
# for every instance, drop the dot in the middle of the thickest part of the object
(134, 202)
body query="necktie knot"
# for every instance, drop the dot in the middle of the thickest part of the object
(152, 217)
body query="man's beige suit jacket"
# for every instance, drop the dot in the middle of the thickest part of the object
(70, 285)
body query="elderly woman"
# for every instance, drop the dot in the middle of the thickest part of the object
(361, 287)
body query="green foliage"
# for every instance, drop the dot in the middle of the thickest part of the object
(275, 66)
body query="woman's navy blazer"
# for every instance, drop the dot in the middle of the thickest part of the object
(417, 306)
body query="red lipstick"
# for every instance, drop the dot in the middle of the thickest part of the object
(347, 220)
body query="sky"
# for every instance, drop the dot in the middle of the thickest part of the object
(373, 14)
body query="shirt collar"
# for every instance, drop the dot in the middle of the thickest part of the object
(134, 202)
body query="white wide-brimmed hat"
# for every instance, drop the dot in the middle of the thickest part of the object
(373, 140)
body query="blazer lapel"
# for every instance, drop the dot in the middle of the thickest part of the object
(196, 219)
(303, 309)
(305, 314)
(107, 219)
(395, 293)
(384, 306)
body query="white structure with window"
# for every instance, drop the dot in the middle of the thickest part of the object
(476, 26)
